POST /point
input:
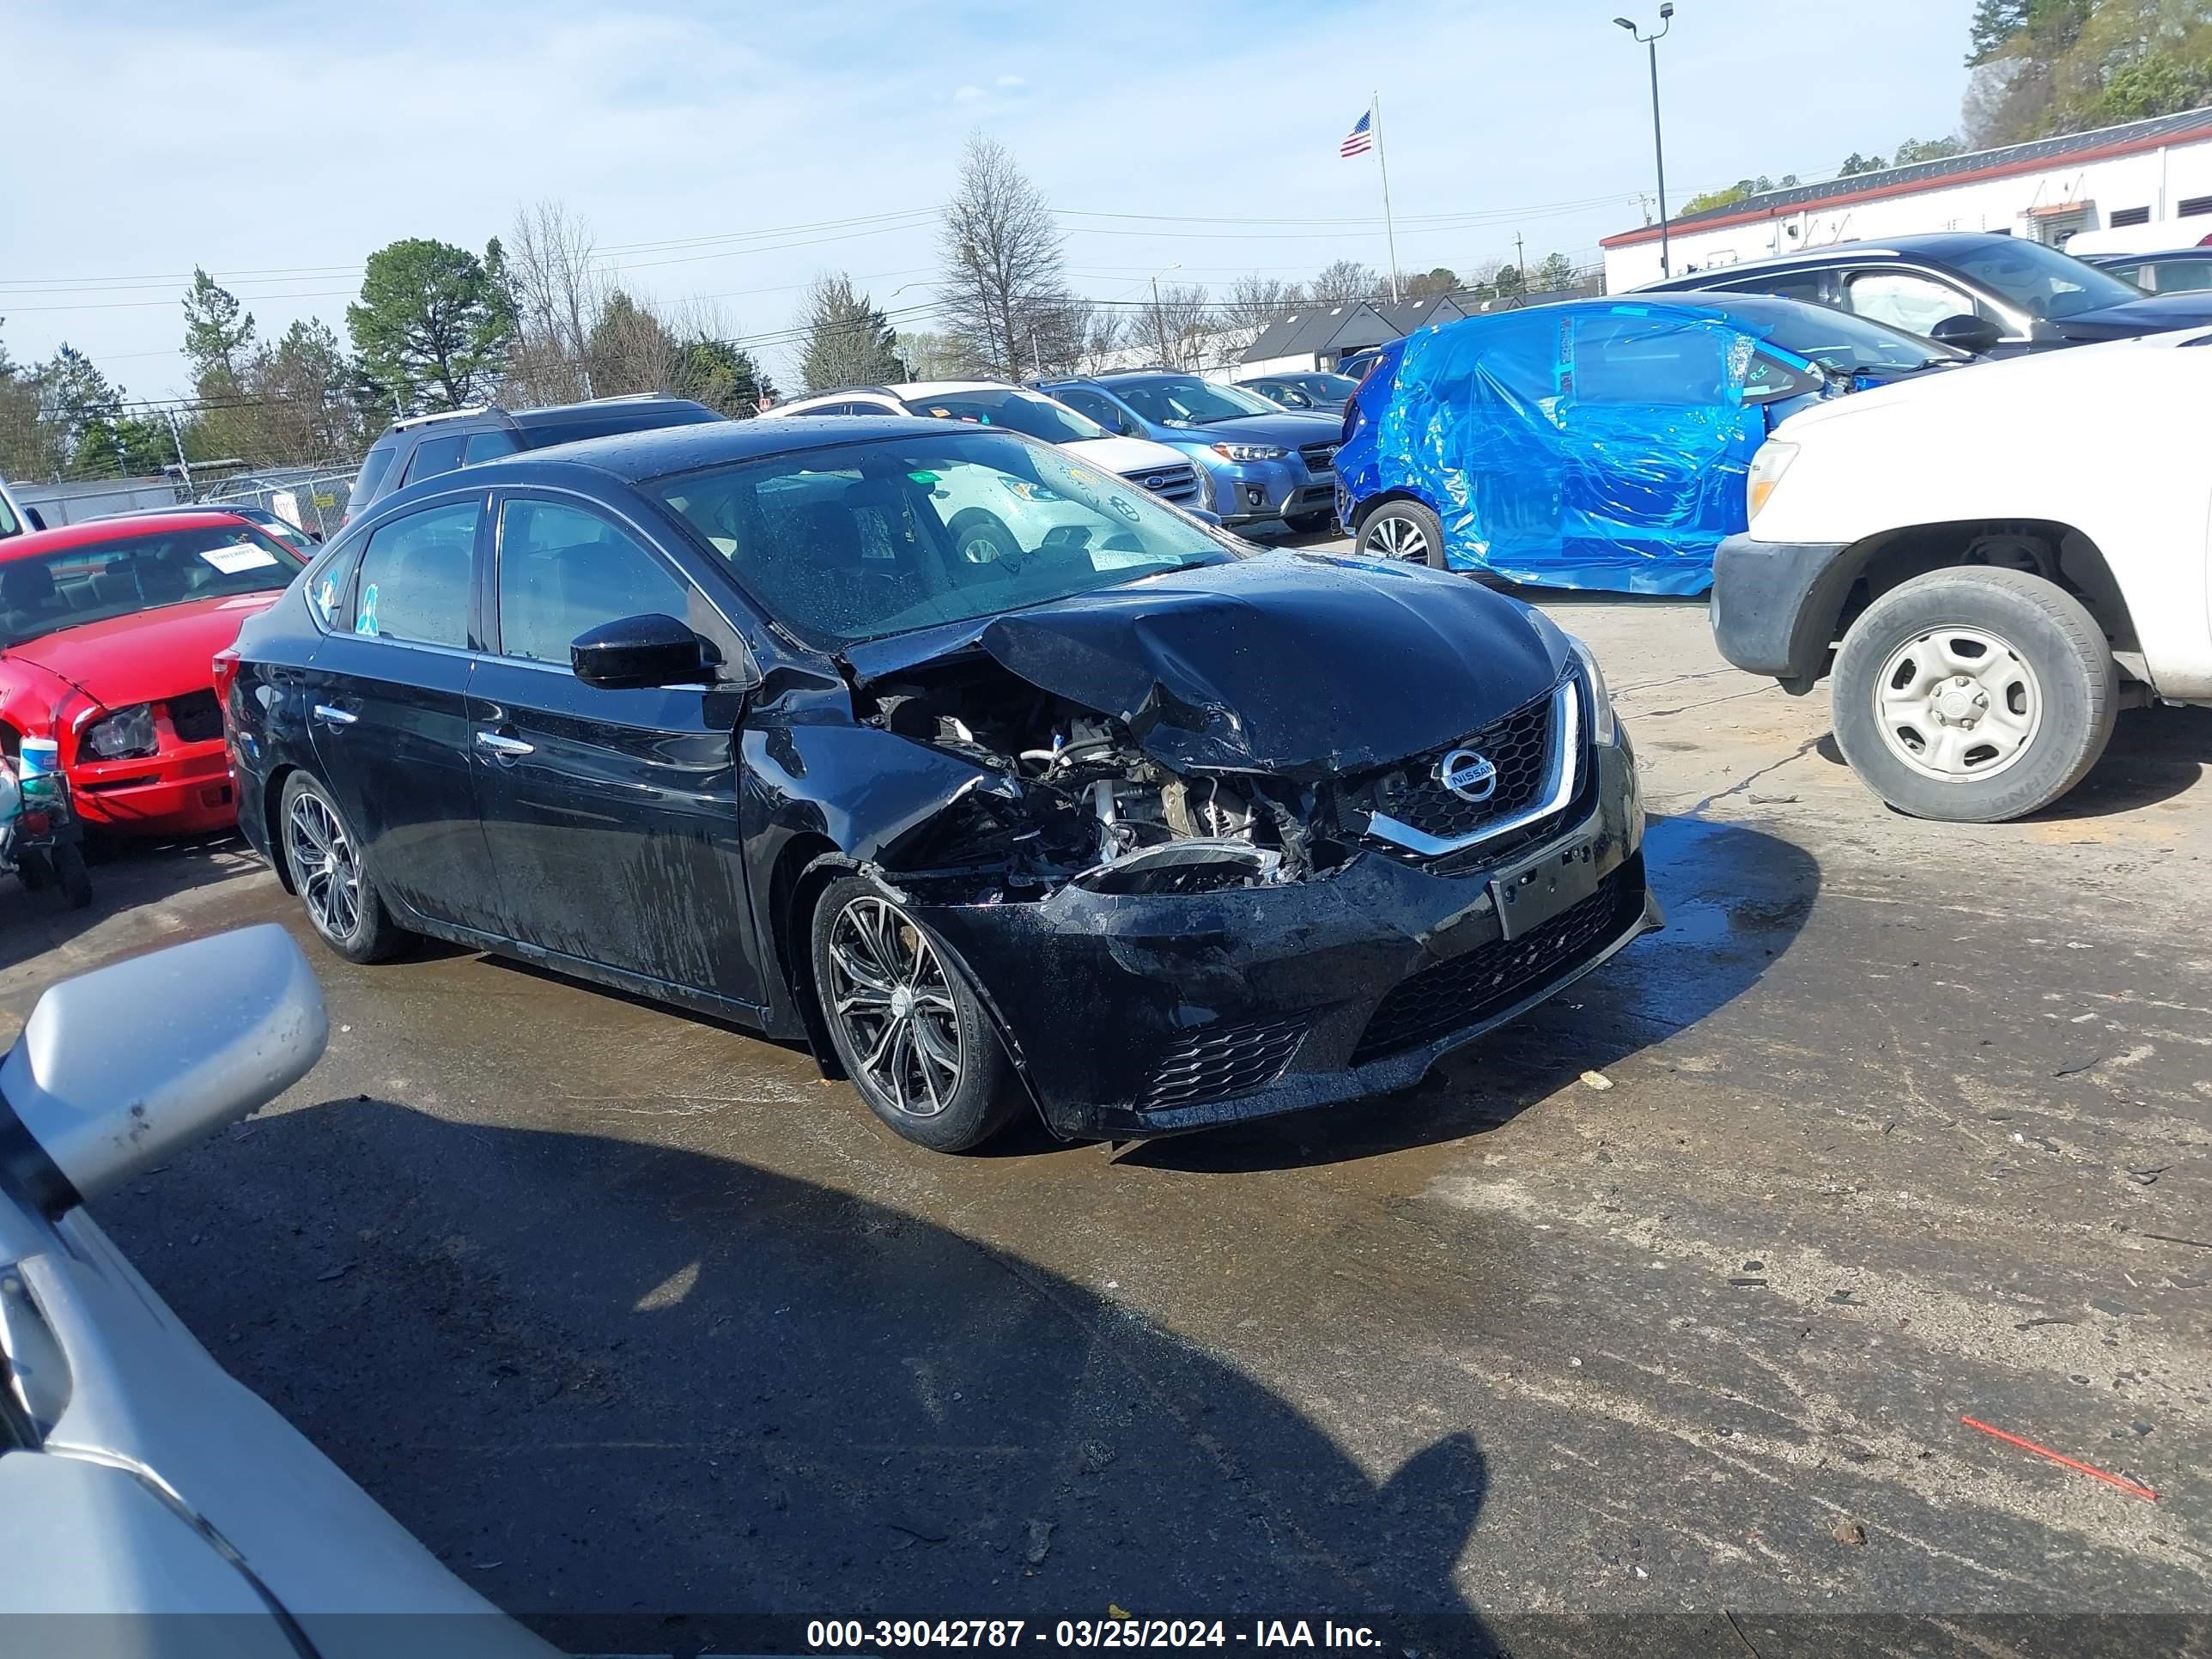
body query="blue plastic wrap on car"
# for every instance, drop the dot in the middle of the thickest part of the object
(1602, 445)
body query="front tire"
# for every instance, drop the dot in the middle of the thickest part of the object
(1403, 530)
(909, 1027)
(71, 876)
(983, 538)
(1974, 695)
(322, 854)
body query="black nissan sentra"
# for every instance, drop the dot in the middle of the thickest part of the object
(991, 778)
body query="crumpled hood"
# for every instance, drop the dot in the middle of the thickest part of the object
(1299, 664)
(147, 655)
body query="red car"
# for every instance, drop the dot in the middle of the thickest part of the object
(108, 633)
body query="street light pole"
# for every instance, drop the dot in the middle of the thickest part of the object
(1658, 146)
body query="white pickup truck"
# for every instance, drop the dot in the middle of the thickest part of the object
(1987, 565)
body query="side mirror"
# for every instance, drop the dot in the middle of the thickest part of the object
(1205, 515)
(33, 516)
(639, 651)
(1966, 332)
(121, 1068)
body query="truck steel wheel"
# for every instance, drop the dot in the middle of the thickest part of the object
(1974, 694)
(322, 857)
(910, 1031)
(1403, 530)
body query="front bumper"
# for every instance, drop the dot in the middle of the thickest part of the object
(182, 789)
(1136, 1016)
(1774, 605)
(1258, 492)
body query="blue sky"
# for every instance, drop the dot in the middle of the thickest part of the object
(728, 153)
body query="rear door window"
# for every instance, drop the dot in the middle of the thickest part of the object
(486, 446)
(417, 573)
(564, 571)
(436, 455)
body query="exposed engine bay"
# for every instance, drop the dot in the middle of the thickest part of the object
(1069, 795)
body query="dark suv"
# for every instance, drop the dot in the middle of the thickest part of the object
(423, 445)
(1981, 292)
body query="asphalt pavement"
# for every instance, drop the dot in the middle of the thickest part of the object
(1669, 1299)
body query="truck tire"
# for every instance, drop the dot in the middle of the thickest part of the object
(1974, 694)
(1404, 531)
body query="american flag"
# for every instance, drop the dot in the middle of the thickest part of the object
(1361, 138)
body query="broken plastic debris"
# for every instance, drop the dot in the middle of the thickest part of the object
(2121, 1481)
(1597, 1080)
(1848, 1531)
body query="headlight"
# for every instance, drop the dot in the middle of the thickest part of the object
(125, 735)
(1604, 726)
(1250, 452)
(1026, 490)
(1766, 470)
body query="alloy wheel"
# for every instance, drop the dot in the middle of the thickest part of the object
(324, 866)
(1957, 703)
(890, 993)
(1394, 537)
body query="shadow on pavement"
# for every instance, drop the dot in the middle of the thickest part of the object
(1735, 898)
(2156, 754)
(125, 873)
(635, 1394)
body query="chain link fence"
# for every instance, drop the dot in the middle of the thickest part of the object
(314, 500)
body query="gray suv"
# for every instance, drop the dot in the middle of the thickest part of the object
(423, 445)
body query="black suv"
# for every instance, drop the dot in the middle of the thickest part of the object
(1981, 292)
(423, 445)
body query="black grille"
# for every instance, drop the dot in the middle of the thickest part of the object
(1319, 457)
(1178, 484)
(197, 716)
(1518, 744)
(1471, 988)
(1221, 1062)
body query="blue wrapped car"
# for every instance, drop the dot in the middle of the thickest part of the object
(1595, 444)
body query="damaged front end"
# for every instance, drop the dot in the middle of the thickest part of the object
(1065, 795)
(1202, 870)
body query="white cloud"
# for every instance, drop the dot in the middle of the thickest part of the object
(1009, 83)
(967, 95)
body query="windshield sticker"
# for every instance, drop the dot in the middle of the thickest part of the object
(364, 620)
(237, 561)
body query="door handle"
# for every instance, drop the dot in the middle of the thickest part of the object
(337, 719)
(506, 747)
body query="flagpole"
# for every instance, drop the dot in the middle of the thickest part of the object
(1389, 229)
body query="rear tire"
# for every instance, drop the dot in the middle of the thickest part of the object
(1974, 694)
(322, 854)
(909, 1027)
(1405, 532)
(35, 871)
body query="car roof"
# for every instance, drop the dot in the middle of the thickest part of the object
(1934, 245)
(658, 451)
(93, 532)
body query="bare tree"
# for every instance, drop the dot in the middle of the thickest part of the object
(558, 295)
(1101, 339)
(1006, 301)
(1178, 326)
(1342, 281)
(1256, 304)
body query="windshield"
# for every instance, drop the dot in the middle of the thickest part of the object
(1837, 339)
(44, 593)
(1330, 388)
(1186, 400)
(1023, 412)
(854, 541)
(2041, 281)
(8, 525)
